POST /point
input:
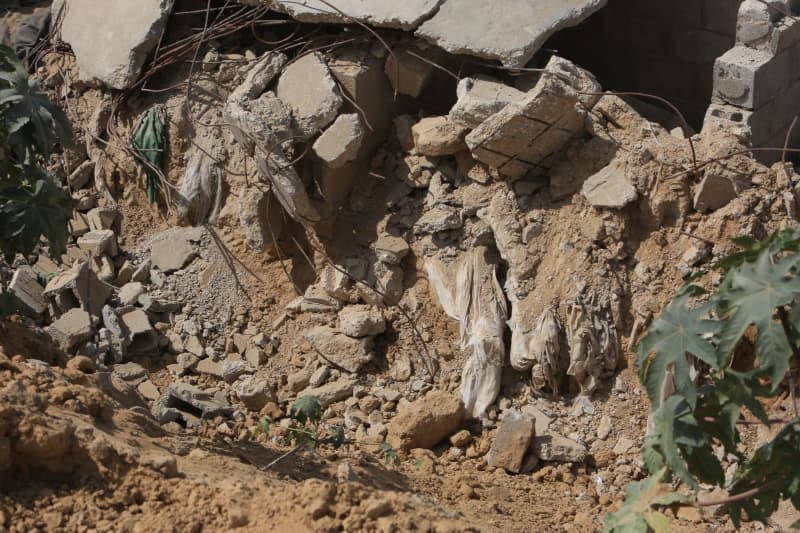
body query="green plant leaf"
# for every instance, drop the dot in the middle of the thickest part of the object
(306, 409)
(676, 333)
(753, 292)
(638, 515)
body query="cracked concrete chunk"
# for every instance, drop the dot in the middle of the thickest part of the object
(112, 40)
(390, 250)
(481, 97)
(79, 286)
(143, 338)
(308, 88)
(99, 242)
(609, 188)
(340, 350)
(405, 15)
(259, 225)
(439, 218)
(340, 143)
(524, 134)
(713, 193)
(332, 392)
(407, 74)
(511, 31)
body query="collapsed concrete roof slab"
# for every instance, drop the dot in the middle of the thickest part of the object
(405, 15)
(511, 31)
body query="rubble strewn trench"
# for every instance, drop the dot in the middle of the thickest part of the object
(429, 214)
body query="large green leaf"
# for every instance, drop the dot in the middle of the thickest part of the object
(638, 514)
(306, 409)
(678, 332)
(753, 293)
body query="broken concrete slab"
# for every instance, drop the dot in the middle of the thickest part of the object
(511, 31)
(83, 287)
(71, 329)
(406, 15)
(524, 134)
(338, 349)
(341, 142)
(172, 249)
(114, 58)
(25, 286)
(308, 88)
(438, 136)
(361, 321)
(423, 423)
(481, 97)
(609, 188)
(511, 442)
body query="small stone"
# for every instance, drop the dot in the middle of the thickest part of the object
(426, 421)
(143, 338)
(71, 329)
(101, 218)
(438, 136)
(438, 218)
(461, 439)
(542, 421)
(713, 193)
(253, 392)
(390, 249)
(604, 428)
(609, 188)
(481, 97)
(130, 372)
(407, 73)
(332, 392)
(99, 242)
(171, 251)
(378, 509)
(194, 346)
(148, 390)
(209, 367)
(623, 445)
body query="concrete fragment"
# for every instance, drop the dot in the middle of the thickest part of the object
(143, 338)
(198, 198)
(254, 392)
(438, 136)
(99, 242)
(332, 392)
(407, 73)
(180, 400)
(232, 370)
(405, 15)
(71, 329)
(114, 58)
(101, 218)
(713, 193)
(25, 286)
(77, 225)
(130, 292)
(341, 142)
(481, 97)
(361, 321)
(541, 421)
(259, 76)
(148, 390)
(259, 223)
(440, 217)
(209, 367)
(524, 134)
(340, 350)
(511, 442)
(390, 250)
(609, 188)
(308, 88)
(753, 22)
(511, 31)
(172, 250)
(130, 372)
(554, 447)
(79, 177)
(83, 287)
(426, 421)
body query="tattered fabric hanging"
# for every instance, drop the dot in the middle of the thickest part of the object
(149, 141)
(474, 297)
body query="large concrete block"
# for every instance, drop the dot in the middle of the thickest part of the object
(111, 40)
(525, 133)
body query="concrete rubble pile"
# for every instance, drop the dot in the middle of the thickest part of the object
(515, 203)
